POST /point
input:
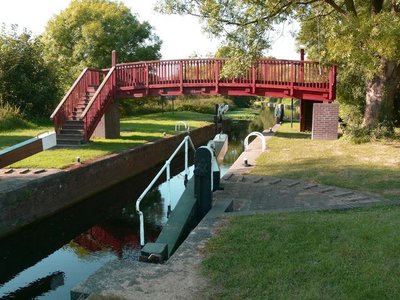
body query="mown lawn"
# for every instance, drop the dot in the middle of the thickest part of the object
(134, 131)
(371, 167)
(352, 254)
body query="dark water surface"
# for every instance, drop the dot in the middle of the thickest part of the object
(47, 259)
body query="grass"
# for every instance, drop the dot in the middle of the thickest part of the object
(351, 254)
(325, 255)
(241, 114)
(371, 167)
(134, 131)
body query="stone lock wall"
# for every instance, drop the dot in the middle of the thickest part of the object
(47, 195)
(325, 121)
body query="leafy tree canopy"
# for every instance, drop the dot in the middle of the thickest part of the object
(85, 33)
(362, 36)
(27, 81)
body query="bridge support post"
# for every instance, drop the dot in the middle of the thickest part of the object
(109, 127)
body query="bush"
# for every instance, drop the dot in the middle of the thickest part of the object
(357, 133)
(243, 101)
(11, 118)
(264, 120)
(188, 103)
(27, 81)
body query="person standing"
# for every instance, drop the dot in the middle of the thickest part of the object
(282, 113)
(277, 113)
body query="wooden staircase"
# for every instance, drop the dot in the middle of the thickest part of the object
(72, 131)
(80, 111)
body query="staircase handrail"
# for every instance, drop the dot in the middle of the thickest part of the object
(70, 91)
(91, 123)
(98, 91)
(186, 142)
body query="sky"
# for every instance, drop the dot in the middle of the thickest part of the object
(181, 35)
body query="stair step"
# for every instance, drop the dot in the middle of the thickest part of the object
(64, 131)
(69, 143)
(75, 129)
(74, 122)
(92, 89)
(73, 137)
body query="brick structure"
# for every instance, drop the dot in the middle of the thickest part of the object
(325, 121)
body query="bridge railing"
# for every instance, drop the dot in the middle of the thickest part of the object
(88, 77)
(311, 75)
(99, 103)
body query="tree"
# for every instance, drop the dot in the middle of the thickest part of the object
(27, 81)
(85, 33)
(363, 37)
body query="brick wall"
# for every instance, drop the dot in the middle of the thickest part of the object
(325, 121)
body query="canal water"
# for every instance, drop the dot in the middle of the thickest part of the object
(47, 259)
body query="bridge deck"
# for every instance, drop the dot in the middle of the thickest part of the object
(276, 78)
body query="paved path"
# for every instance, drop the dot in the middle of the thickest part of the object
(13, 179)
(179, 278)
(265, 193)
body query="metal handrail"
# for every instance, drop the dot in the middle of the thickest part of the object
(186, 141)
(178, 126)
(256, 134)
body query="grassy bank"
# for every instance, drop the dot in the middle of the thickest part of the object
(134, 131)
(349, 254)
(326, 255)
(371, 167)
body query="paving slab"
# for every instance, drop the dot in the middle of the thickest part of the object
(13, 179)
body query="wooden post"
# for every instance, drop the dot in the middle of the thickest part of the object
(291, 118)
(113, 58)
(302, 65)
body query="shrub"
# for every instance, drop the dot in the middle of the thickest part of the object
(263, 121)
(188, 103)
(11, 118)
(357, 133)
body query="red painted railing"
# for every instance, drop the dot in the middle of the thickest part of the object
(89, 77)
(269, 77)
(267, 73)
(99, 103)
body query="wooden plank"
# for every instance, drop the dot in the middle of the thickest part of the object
(20, 153)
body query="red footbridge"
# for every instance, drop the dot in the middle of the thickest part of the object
(95, 90)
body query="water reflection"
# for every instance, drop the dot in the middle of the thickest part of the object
(38, 287)
(81, 239)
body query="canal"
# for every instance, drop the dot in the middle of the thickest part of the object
(47, 259)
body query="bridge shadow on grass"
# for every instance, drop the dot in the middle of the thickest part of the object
(381, 180)
(293, 135)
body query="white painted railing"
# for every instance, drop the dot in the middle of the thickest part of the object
(167, 167)
(256, 134)
(178, 126)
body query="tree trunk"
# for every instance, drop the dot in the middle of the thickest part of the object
(380, 97)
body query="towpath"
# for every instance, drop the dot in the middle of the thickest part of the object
(180, 277)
